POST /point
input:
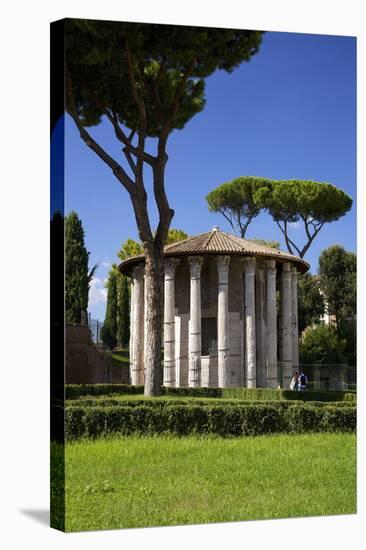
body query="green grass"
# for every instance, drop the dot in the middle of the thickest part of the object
(137, 482)
(120, 359)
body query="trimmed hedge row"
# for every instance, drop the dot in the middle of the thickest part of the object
(157, 402)
(74, 391)
(275, 394)
(236, 420)
(254, 394)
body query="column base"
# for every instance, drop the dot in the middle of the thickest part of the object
(194, 374)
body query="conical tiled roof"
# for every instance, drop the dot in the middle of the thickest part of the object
(218, 242)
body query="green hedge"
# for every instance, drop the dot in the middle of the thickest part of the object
(157, 402)
(275, 394)
(236, 420)
(253, 394)
(74, 391)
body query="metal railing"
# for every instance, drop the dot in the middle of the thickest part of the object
(95, 327)
(330, 377)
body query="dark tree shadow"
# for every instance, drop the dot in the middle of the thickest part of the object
(42, 516)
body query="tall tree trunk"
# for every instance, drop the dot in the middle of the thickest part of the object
(153, 320)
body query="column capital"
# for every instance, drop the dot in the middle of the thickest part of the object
(286, 268)
(223, 262)
(169, 266)
(138, 271)
(195, 263)
(249, 264)
(294, 271)
(260, 274)
(271, 265)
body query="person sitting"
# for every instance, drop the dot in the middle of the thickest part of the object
(294, 382)
(302, 381)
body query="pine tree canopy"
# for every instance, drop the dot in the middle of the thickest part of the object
(311, 203)
(101, 54)
(235, 200)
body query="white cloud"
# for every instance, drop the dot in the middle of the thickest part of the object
(97, 292)
(295, 225)
(107, 265)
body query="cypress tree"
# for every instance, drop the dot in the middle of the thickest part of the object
(109, 329)
(76, 267)
(123, 311)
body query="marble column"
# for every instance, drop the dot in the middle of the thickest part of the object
(223, 321)
(271, 326)
(286, 325)
(132, 326)
(250, 340)
(169, 322)
(137, 374)
(260, 327)
(294, 320)
(195, 341)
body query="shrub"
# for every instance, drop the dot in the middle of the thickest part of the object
(74, 391)
(336, 419)
(192, 392)
(233, 420)
(75, 422)
(183, 420)
(322, 345)
(304, 419)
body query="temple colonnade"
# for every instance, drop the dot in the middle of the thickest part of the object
(265, 331)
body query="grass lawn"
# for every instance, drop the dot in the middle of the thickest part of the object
(138, 482)
(120, 359)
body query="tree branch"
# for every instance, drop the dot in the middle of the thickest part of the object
(141, 107)
(284, 232)
(246, 225)
(180, 88)
(165, 213)
(310, 238)
(229, 219)
(131, 76)
(119, 133)
(116, 168)
(178, 93)
(130, 160)
(153, 89)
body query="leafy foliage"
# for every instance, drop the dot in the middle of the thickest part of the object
(337, 270)
(236, 201)
(75, 391)
(322, 345)
(96, 54)
(176, 235)
(271, 244)
(310, 202)
(132, 248)
(76, 269)
(224, 420)
(146, 80)
(310, 301)
(108, 332)
(123, 314)
(347, 331)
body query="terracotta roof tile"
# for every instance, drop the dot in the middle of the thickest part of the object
(219, 242)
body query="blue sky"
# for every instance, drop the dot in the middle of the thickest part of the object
(288, 113)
